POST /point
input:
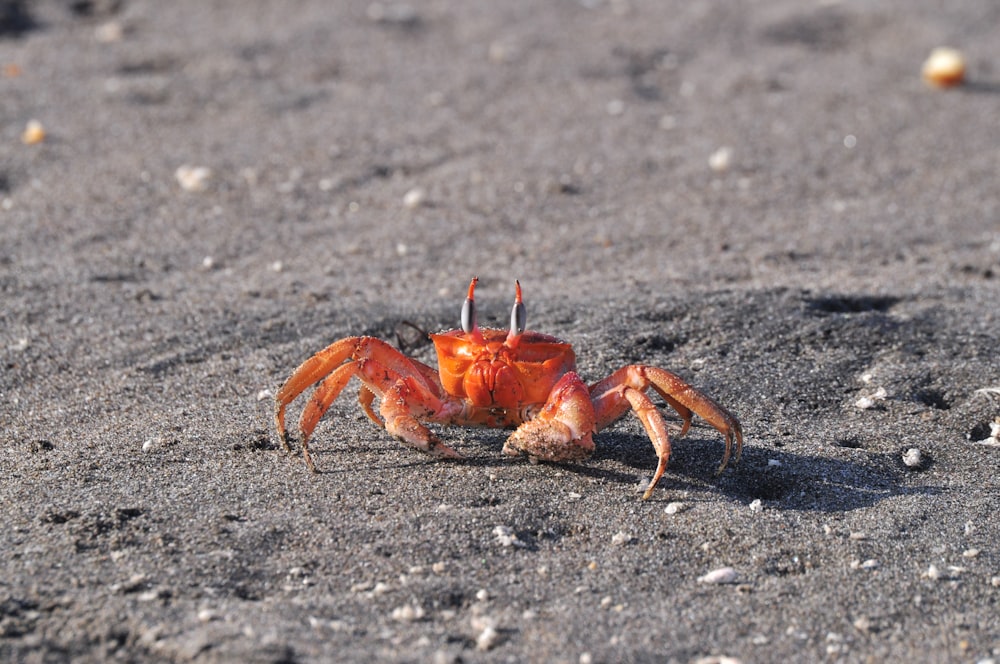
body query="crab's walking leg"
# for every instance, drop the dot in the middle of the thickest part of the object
(620, 391)
(381, 368)
(404, 404)
(563, 430)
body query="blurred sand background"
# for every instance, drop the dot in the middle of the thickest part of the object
(764, 197)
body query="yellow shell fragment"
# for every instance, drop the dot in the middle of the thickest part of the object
(33, 133)
(944, 68)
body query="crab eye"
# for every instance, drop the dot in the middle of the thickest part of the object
(518, 315)
(468, 316)
(469, 309)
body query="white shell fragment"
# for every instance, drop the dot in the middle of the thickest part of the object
(944, 68)
(720, 160)
(913, 457)
(720, 576)
(414, 198)
(193, 178)
(487, 638)
(870, 401)
(675, 507)
(621, 539)
(408, 613)
(506, 536)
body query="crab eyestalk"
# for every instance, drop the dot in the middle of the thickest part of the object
(469, 325)
(518, 317)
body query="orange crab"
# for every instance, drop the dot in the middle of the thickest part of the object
(497, 378)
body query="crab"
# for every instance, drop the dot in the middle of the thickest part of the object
(497, 378)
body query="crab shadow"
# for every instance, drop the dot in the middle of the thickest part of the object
(785, 480)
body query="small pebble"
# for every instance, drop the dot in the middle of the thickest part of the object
(756, 505)
(414, 198)
(970, 553)
(912, 458)
(193, 178)
(110, 32)
(675, 507)
(721, 159)
(487, 638)
(866, 402)
(506, 536)
(407, 613)
(621, 539)
(720, 576)
(995, 581)
(944, 68)
(207, 615)
(33, 133)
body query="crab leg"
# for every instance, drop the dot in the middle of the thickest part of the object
(620, 391)
(375, 362)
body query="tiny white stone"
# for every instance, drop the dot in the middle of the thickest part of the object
(401, 249)
(407, 613)
(414, 198)
(675, 507)
(506, 536)
(913, 457)
(207, 615)
(193, 178)
(864, 403)
(720, 576)
(621, 538)
(720, 160)
(487, 638)
(756, 506)
(482, 595)
(276, 266)
(970, 553)
(109, 32)
(148, 444)
(265, 394)
(932, 573)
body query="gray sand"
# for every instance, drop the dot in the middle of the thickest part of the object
(365, 161)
